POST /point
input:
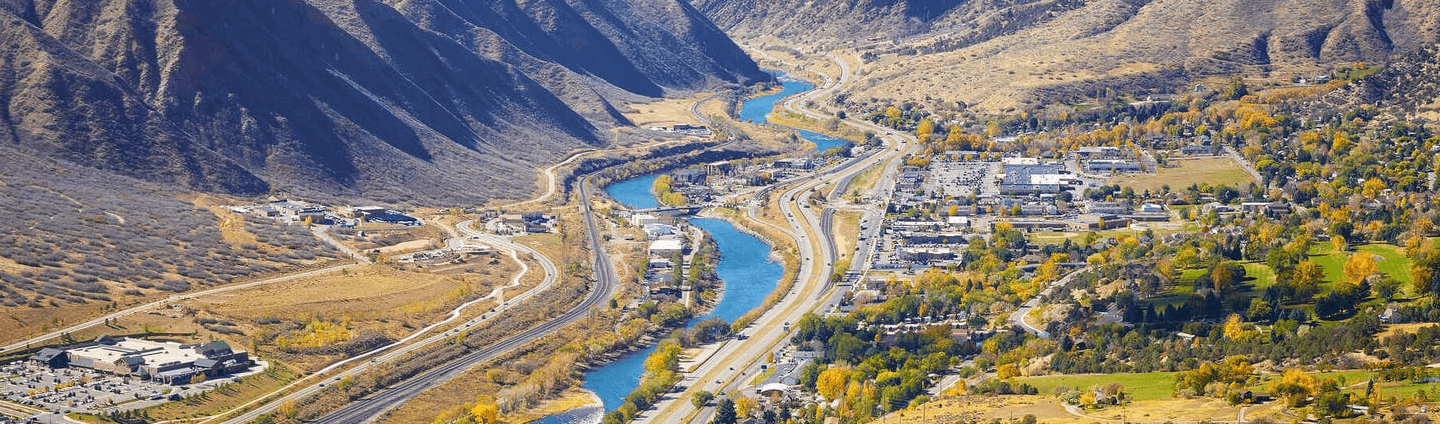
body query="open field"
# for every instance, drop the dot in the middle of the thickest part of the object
(1260, 275)
(665, 112)
(863, 182)
(1145, 386)
(847, 225)
(1391, 261)
(1212, 170)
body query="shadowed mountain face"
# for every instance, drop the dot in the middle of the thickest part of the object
(424, 100)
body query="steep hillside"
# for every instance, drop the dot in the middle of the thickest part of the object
(428, 101)
(999, 54)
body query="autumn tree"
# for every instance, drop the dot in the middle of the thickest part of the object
(1359, 266)
(485, 411)
(1294, 386)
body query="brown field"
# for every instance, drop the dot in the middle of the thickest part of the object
(1047, 410)
(1184, 172)
(847, 226)
(665, 112)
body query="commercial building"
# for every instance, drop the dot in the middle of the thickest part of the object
(166, 362)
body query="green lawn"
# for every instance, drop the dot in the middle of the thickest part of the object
(1261, 276)
(1145, 386)
(1392, 262)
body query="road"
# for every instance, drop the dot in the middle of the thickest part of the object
(1018, 317)
(371, 407)
(148, 306)
(313, 383)
(736, 361)
(1244, 163)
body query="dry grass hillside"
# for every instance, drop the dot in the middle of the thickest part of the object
(1000, 55)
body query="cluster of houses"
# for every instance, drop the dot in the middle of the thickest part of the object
(686, 129)
(666, 241)
(514, 223)
(296, 211)
(164, 362)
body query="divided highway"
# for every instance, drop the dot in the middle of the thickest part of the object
(371, 407)
(735, 362)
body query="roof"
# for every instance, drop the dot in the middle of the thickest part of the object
(206, 363)
(215, 346)
(48, 354)
(774, 387)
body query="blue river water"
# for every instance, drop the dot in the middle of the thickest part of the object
(745, 267)
(756, 109)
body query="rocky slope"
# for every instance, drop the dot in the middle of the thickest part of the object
(425, 101)
(1000, 54)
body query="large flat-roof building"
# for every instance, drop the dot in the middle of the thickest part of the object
(167, 362)
(1027, 178)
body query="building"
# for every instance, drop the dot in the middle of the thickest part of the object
(689, 176)
(1106, 208)
(1098, 152)
(167, 362)
(1109, 165)
(643, 219)
(794, 163)
(1024, 178)
(1197, 150)
(666, 247)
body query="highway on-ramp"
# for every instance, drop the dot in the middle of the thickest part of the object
(369, 408)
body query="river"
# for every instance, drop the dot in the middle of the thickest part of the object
(756, 110)
(745, 267)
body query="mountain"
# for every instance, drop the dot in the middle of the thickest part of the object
(1000, 54)
(423, 101)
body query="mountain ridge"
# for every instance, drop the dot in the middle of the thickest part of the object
(427, 101)
(1003, 55)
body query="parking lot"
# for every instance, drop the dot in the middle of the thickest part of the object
(68, 390)
(962, 179)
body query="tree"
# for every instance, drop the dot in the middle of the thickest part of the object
(831, 383)
(1308, 276)
(485, 411)
(702, 398)
(1007, 371)
(724, 412)
(1293, 386)
(925, 130)
(1359, 266)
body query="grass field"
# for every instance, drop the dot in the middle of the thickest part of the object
(1141, 387)
(1216, 171)
(1391, 262)
(1260, 275)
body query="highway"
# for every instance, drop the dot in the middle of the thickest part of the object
(372, 406)
(312, 385)
(735, 362)
(148, 306)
